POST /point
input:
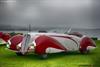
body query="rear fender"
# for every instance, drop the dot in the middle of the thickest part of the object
(43, 42)
(85, 42)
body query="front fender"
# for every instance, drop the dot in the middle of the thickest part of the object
(85, 43)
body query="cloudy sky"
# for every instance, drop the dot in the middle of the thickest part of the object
(74, 13)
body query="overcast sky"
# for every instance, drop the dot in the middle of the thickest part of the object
(74, 13)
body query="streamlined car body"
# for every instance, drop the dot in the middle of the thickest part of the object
(44, 43)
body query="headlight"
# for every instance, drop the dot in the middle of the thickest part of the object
(8, 46)
(34, 43)
(31, 47)
(19, 46)
(9, 42)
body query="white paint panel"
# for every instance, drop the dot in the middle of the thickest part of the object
(90, 48)
(53, 50)
(70, 45)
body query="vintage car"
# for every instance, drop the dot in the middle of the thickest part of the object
(44, 43)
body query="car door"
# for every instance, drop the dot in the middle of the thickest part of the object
(69, 43)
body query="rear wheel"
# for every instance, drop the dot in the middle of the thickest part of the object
(43, 56)
(84, 51)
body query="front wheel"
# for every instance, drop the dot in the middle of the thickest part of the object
(19, 54)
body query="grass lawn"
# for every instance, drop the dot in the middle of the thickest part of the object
(72, 59)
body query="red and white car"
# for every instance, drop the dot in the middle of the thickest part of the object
(44, 43)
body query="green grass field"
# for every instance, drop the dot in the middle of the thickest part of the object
(72, 59)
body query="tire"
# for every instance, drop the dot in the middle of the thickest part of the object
(19, 54)
(43, 56)
(85, 52)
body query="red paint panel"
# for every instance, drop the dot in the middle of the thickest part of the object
(15, 40)
(6, 37)
(43, 42)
